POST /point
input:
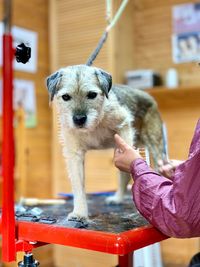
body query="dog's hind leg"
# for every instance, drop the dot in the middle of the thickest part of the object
(118, 197)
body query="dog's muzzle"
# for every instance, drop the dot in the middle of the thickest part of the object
(79, 120)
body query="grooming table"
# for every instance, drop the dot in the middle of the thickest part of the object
(114, 229)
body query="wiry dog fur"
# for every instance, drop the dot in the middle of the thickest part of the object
(90, 112)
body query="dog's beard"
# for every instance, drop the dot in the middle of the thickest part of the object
(93, 118)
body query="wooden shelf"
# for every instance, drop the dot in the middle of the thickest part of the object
(162, 89)
(180, 97)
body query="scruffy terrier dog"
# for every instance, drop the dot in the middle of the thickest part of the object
(90, 112)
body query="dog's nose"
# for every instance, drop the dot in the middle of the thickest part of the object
(79, 119)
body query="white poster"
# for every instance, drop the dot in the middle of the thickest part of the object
(186, 47)
(29, 38)
(186, 33)
(24, 96)
(186, 18)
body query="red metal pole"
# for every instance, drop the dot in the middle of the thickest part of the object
(8, 215)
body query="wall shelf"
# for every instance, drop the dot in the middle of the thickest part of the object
(180, 97)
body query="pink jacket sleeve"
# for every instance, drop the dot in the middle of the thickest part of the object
(173, 206)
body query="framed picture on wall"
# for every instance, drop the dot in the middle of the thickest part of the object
(186, 47)
(186, 32)
(24, 96)
(186, 18)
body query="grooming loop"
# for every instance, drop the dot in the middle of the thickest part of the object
(111, 24)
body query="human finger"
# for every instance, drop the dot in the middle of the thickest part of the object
(120, 143)
(117, 152)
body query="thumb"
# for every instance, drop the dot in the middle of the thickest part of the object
(120, 143)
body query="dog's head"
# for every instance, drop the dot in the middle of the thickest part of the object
(80, 92)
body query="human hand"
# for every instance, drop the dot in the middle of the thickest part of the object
(124, 154)
(167, 168)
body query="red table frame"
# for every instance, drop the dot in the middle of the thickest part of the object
(31, 235)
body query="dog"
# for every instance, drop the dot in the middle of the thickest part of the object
(90, 111)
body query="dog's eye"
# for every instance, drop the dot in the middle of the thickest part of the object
(66, 97)
(91, 95)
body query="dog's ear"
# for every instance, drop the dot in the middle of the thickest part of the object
(52, 84)
(105, 80)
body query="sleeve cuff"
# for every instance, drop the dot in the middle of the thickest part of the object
(138, 167)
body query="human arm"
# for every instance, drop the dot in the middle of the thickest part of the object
(173, 206)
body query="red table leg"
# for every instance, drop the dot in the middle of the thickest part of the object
(126, 260)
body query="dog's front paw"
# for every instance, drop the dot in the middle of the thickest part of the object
(73, 216)
(77, 221)
(115, 199)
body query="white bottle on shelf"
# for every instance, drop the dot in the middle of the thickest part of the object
(172, 78)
